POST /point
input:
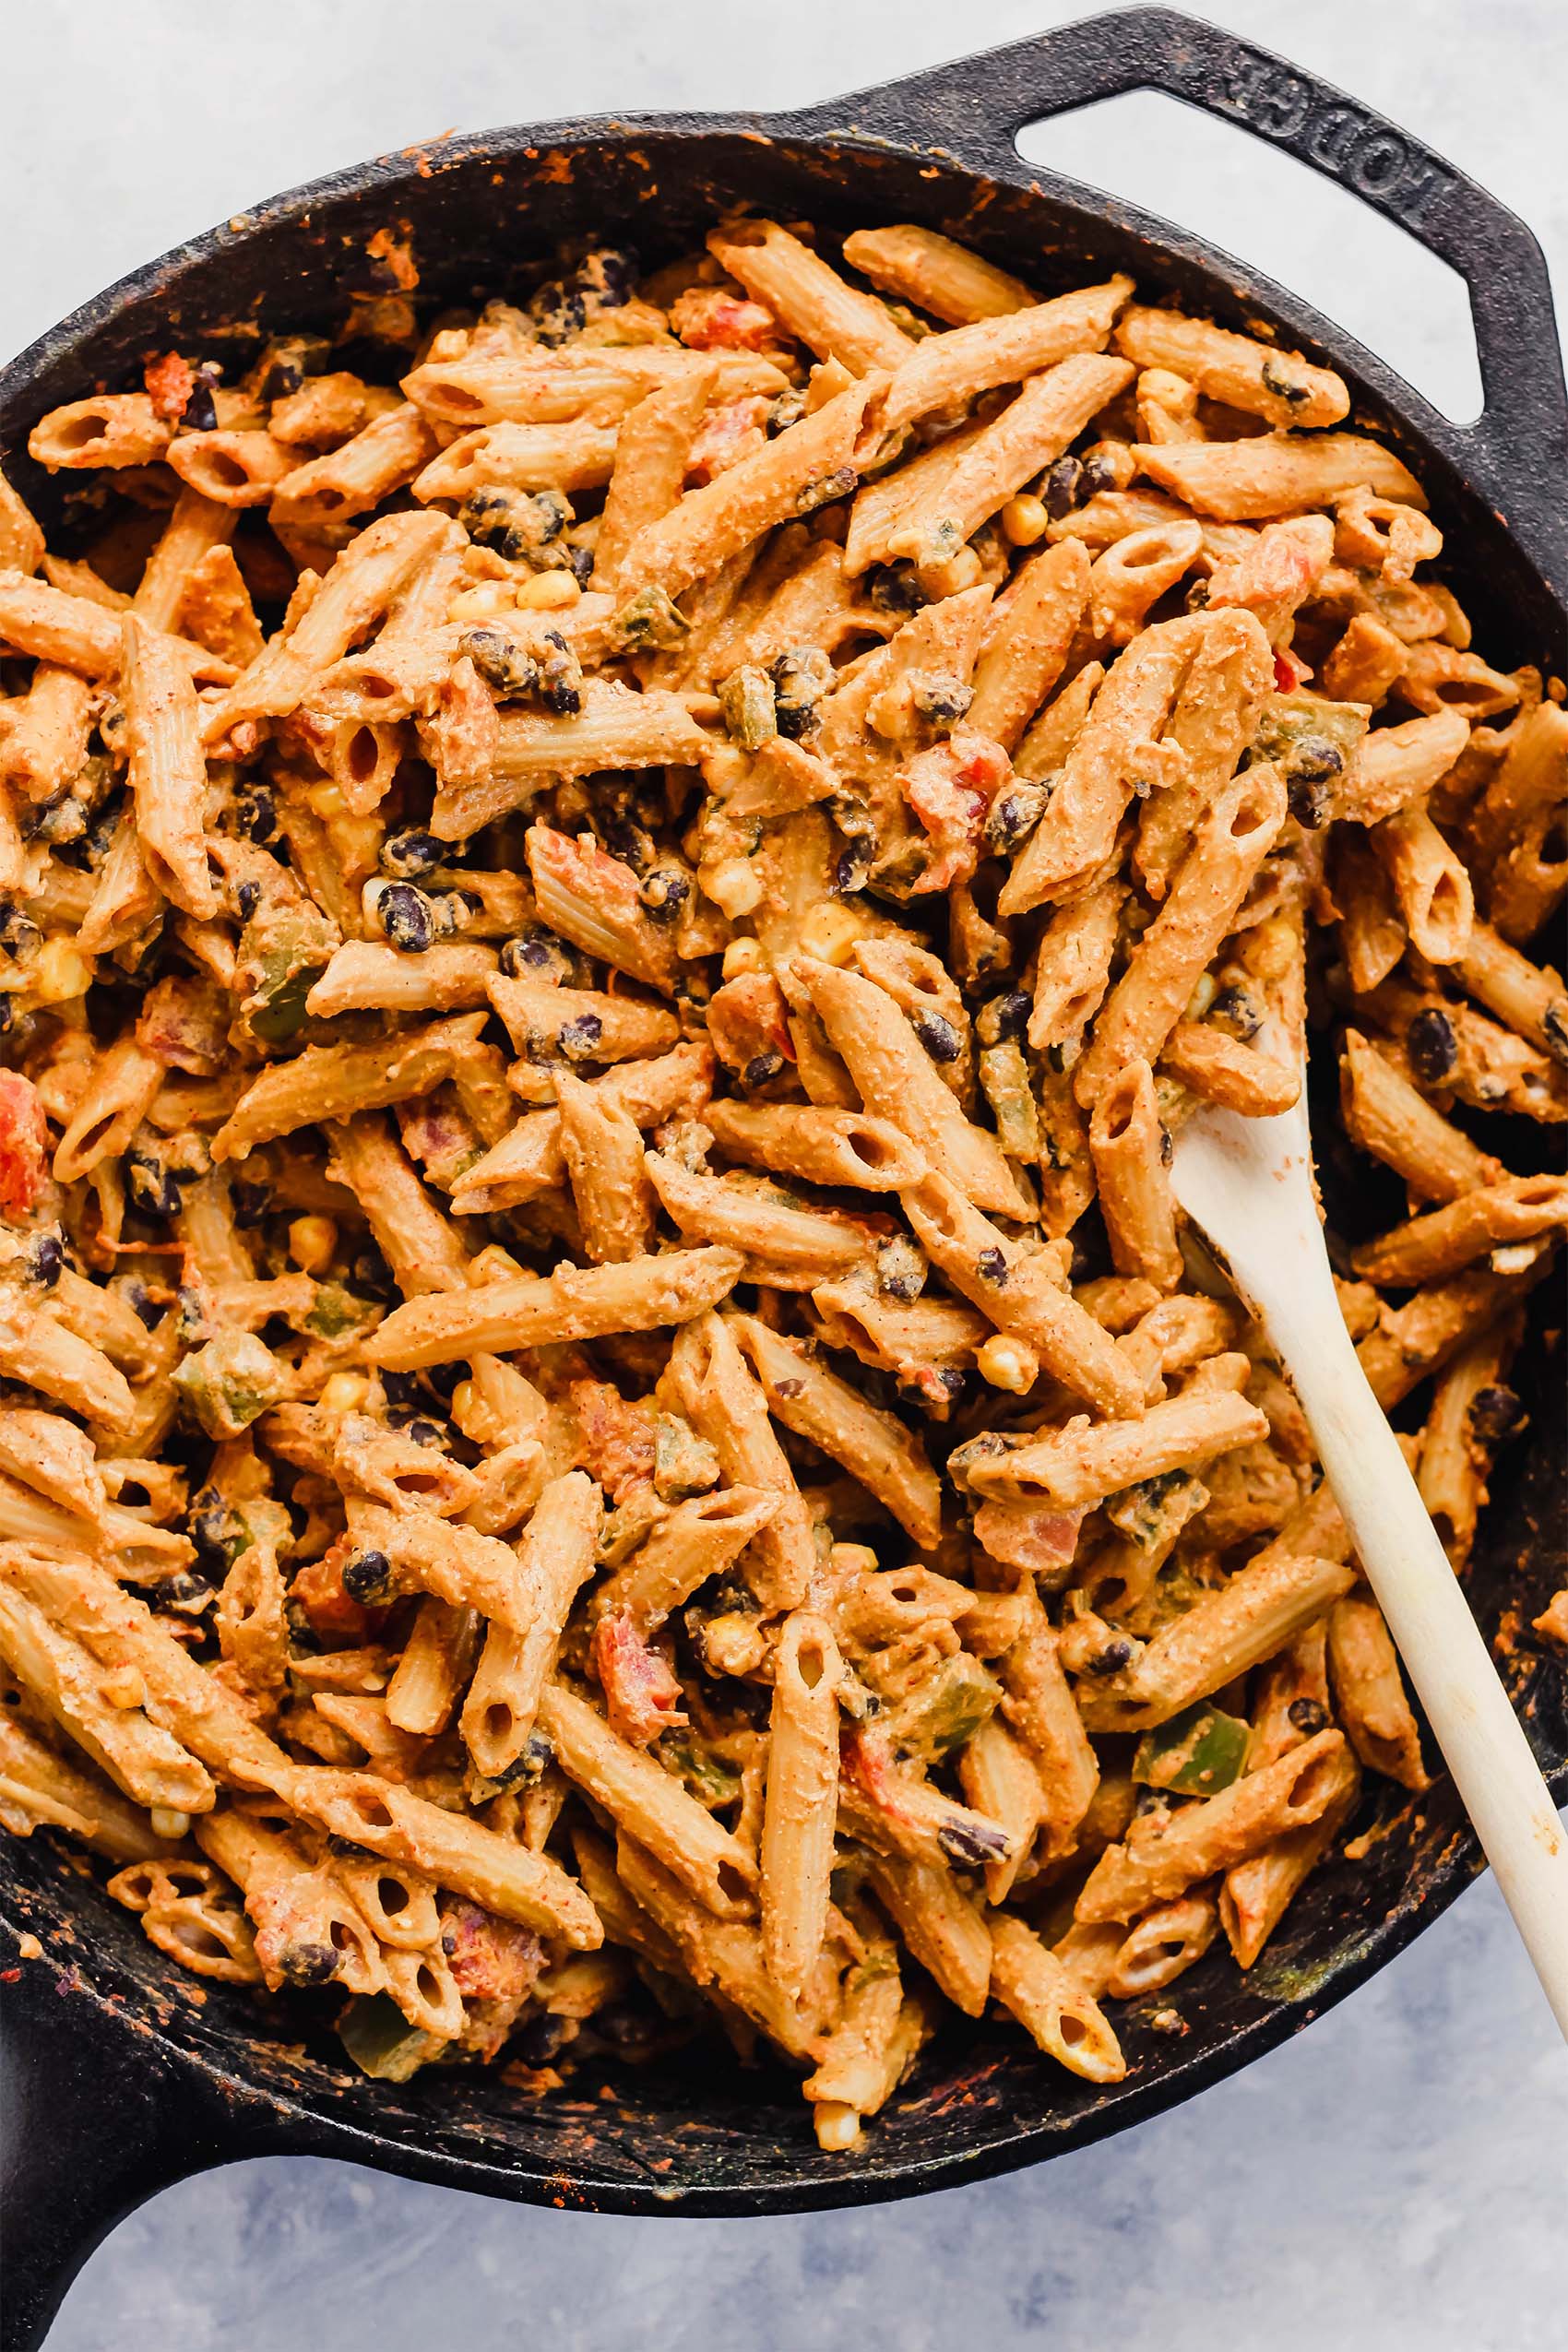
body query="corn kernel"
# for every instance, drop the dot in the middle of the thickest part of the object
(473, 1416)
(312, 1241)
(1201, 997)
(167, 1821)
(838, 2127)
(960, 572)
(327, 800)
(743, 955)
(852, 1560)
(830, 930)
(481, 603)
(732, 885)
(496, 1265)
(122, 1687)
(1023, 519)
(548, 592)
(1008, 1363)
(1271, 950)
(61, 972)
(343, 1392)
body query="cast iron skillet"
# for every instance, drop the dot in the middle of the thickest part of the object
(124, 2075)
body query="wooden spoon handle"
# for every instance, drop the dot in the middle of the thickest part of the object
(1448, 1662)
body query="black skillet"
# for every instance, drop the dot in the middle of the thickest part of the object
(123, 2075)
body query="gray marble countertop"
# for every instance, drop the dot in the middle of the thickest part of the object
(1394, 2178)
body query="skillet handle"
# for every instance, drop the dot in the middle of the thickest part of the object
(1516, 452)
(92, 2123)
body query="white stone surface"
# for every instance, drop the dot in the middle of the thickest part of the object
(1392, 2180)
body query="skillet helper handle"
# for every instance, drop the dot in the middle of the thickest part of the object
(1516, 452)
(92, 2123)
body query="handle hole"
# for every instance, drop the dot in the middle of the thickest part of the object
(1311, 235)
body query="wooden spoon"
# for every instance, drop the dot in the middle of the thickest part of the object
(1247, 1185)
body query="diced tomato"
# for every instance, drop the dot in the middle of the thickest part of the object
(170, 382)
(727, 435)
(334, 1616)
(24, 1144)
(185, 1022)
(1037, 1540)
(950, 789)
(491, 1959)
(865, 1756)
(1287, 677)
(706, 318)
(1276, 575)
(639, 1683)
(746, 1018)
(618, 1438)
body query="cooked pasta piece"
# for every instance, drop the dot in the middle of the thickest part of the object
(609, 1420)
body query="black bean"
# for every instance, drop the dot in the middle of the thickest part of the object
(559, 677)
(1015, 813)
(1283, 387)
(937, 1035)
(1432, 1045)
(579, 1039)
(1315, 760)
(1495, 1413)
(536, 955)
(154, 1187)
(371, 1277)
(367, 1577)
(1236, 1009)
(1113, 1657)
(147, 1311)
(1308, 801)
(208, 1524)
(307, 1965)
(786, 410)
(801, 677)
(446, 1379)
(900, 1269)
(892, 588)
(826, 489)
(500, 660)
(61, 820)
(1309, 1715)
(533, 1761)
(255, 812)
(942, 700)
(664, 892)
(409, 856)
(580, 563)
(200, 412)
(973, 1841)
(762, 1068)
(544, 2037)
(854, 864)
(1062, 487)
(992, 1267)
(44, 1260)
(247, 897)
(1098, 474)
(19, 933)
(1554, 1021)
(1005, 1016)
(251, 1202)
(407, 917)
(8, 1016)
(411, 1423)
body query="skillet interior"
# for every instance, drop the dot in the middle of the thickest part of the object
(192, 2075)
